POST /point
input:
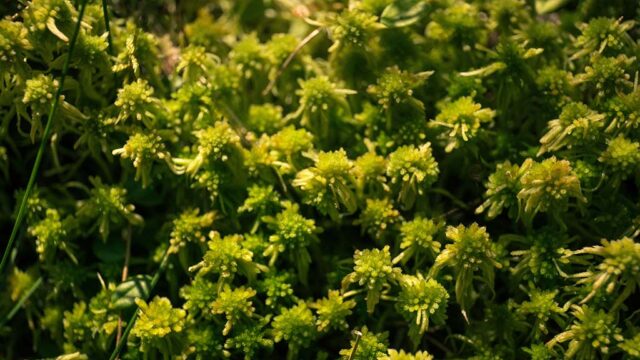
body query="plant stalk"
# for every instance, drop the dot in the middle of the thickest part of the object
(45, 137)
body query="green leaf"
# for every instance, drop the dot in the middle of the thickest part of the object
(403, 13)
(135, 287)
(109, 252)
(547, 6)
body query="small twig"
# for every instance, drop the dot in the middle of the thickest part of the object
(358, 335)
(450, 196)
(127, 254)
(105, 12)
(284, 65)
(439, 345)
(125, 274)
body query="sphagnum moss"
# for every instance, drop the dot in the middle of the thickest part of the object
(355, 179)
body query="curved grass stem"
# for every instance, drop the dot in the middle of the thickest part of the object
(20, 302)
(132, 320)
(45, 137)
(107, 26)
